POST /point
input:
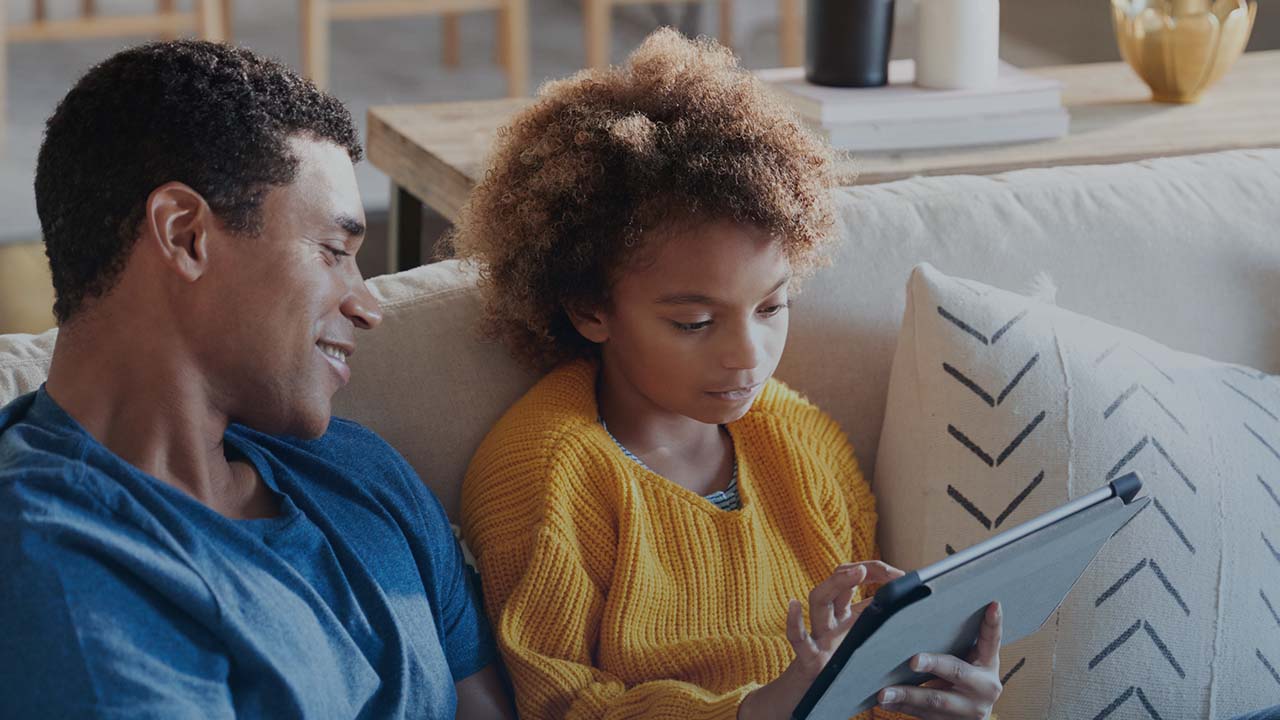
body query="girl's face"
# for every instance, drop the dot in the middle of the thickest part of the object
(698, 325)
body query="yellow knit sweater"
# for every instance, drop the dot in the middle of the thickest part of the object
(617, 593)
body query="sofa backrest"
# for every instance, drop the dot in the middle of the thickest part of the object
(1184, 250)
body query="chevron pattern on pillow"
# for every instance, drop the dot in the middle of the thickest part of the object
(1002, 407)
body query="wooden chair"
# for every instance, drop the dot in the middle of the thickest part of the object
(597, 26)
(208, 19)
(513, 31)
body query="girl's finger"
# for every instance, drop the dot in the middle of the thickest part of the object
(987, 651)
(966, 679)
(926, 702)
(880, 572)
(822, 600)
(841, 605)
(799, 638)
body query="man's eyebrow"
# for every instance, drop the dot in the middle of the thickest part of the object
(699, 299)
(353, 226)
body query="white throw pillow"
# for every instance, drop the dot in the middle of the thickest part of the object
(24, 363)
(1001, 407)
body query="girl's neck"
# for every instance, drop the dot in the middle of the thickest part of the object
(643, 426)
(695, 455)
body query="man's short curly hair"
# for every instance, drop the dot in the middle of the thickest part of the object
(677, 134)
(212, 116)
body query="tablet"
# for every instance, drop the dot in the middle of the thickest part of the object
(938, 609)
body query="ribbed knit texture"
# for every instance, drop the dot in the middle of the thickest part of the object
(616, 593)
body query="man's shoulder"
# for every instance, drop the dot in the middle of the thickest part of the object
(49, 501)
(49, 485)
(40, 465)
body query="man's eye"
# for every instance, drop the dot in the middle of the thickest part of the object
(691, 327)
(337, 252)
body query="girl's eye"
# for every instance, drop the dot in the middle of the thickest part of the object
(773, 309)
(691, 327)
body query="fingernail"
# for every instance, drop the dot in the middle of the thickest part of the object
(920, 663)
(889, 696)
(847, 569)
(999, 611)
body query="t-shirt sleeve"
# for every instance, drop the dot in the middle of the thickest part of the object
(453, 587)
(90, 626)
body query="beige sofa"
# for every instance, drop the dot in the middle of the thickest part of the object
(1184, 250)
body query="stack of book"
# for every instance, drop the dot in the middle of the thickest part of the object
(1018, 107)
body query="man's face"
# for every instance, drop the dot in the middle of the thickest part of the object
(697, 328)
(282, 309)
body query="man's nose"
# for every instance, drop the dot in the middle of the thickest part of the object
(361, 307)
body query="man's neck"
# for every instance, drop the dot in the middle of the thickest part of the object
(148, 405)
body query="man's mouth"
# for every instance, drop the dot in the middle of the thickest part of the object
(333, 351)
(337, 356)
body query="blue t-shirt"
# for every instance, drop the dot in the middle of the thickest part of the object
(122, 596)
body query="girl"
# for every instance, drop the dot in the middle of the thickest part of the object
(643, 518)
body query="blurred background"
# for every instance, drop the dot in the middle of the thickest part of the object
(403, 60)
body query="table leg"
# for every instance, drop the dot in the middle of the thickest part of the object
(790, 33)
(515, 45)
(4, 73)
(450, 39)
(726, 23)
(595, 15)
(315, 41)
(404, 230)
(210, 21)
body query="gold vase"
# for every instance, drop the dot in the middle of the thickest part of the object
(1181, 47)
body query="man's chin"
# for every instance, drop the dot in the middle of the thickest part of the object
(313, 418)
(313, 428)
(304, 423)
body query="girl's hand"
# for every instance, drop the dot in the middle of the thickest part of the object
(963, 689)
(832, 616)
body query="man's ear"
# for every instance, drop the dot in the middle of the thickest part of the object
(591, 323)
(177, 222)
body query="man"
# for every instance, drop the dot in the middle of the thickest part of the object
(184, 531)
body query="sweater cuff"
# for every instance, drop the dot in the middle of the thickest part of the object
(726, 707)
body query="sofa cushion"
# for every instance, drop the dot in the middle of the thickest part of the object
(425, 381)
(1183, 249)
(1001, 407)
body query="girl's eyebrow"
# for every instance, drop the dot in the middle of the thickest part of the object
(686, 299)
(700, 299)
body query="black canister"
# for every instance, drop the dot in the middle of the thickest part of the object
(847, 42)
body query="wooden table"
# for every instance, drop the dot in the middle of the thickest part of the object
(434, 153)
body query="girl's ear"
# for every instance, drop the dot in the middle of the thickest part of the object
(591, 323)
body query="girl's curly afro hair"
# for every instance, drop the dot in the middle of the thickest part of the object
(679, 133)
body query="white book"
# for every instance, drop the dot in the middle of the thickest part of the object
(1015, 90)
(940, 132)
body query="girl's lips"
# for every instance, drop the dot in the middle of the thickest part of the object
(734, 394)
